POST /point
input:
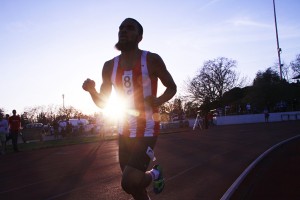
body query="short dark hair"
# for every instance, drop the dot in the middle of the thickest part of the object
(140, 27)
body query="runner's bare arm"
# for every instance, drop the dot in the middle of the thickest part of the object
(102, 97)
(158, 69)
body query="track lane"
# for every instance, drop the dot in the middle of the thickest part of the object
(196, 165)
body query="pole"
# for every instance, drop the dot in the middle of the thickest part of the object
(278, 48)
(63, 96)
(196, 122)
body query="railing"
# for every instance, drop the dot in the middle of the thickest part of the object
(294, 116)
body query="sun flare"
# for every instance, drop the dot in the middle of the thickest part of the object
(115, 108)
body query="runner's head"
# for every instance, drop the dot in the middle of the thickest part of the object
(130, 34)
(139, 26)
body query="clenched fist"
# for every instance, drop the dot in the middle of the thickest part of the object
(88, 85)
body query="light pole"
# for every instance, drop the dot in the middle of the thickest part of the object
(63, 96)
(278, 48)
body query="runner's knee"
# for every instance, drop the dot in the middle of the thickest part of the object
(128, 185)
(131, 184)
(125, 186)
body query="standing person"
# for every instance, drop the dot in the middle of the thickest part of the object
(266, 113)
(248, 108)
(69, 129)
(3, 132)
(134, 75)
(206, 121)
(210, 118)
(200, 122)
(7, 133)
(55, 126)
(14, 129)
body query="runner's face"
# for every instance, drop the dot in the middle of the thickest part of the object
(129, 36)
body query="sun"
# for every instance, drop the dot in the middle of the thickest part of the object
(115, 108)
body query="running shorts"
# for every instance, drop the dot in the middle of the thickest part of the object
(132, 151)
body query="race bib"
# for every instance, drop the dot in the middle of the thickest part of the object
(127, 83)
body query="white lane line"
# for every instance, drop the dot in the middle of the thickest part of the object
(183, 172)
(83, 186)
(239, 180)
(28, 185)
(195, 166)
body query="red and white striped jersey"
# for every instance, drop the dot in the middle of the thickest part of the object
(133, 86)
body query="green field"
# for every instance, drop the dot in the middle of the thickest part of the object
(35, 145)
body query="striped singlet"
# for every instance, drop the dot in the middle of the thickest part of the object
(133, 86)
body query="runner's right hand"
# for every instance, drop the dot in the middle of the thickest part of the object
(88, 85)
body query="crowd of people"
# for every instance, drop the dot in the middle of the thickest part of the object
(9, 130)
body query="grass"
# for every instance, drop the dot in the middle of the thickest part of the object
(35, 145)
(73, 141)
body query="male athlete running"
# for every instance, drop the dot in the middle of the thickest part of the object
(134, 75)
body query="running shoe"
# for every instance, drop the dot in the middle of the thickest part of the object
(159, 183)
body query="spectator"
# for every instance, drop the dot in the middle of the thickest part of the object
(266, 112)
(248, 108)
(55, 126)
(3, 133)
(210, 118)
(69, 129)
(14, 129)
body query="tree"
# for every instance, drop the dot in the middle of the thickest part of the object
(41, 118)
(50, 114)
(177, 106)
(170, 109)
(268, 89)
(214, 79)
(295, 65)
(24, 119)
(191, 109)
(268, 77)
(33, 112)
(164, 111)
(69, 112)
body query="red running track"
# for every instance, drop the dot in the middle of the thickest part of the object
(197, 165)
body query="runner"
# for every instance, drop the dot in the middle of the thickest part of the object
(134, 75)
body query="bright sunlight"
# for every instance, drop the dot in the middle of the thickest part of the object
(115, 107)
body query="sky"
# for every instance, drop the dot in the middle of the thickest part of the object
(48, 48)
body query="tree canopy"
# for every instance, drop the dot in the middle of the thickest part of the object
(295, 66)
(214, 78)
(216, 86)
